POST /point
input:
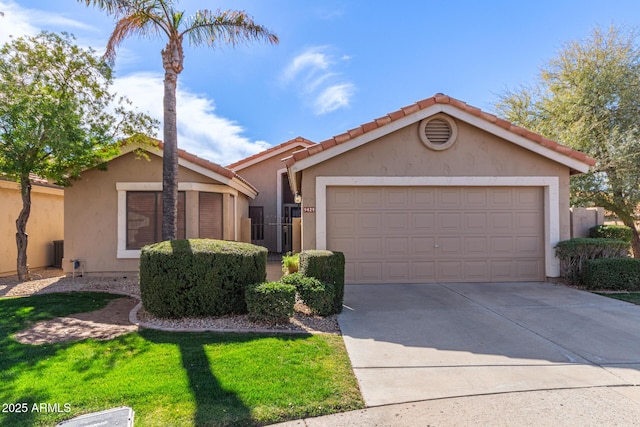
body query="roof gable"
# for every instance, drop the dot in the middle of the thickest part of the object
(575, 160)
(269, 153)
(201, 166)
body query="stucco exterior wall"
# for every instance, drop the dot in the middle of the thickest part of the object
(91, 212)
(263, 176)
(45, 225)
(401, 153)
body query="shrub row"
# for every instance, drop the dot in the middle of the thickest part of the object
(617, 274)
(574, 252)
(319, 283)
(615, 232)
(199, 277)
(204, 277)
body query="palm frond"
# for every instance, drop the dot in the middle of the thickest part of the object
(120, 8)
(227, 27)
(140, 23)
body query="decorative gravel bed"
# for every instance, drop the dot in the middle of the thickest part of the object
(53, 280)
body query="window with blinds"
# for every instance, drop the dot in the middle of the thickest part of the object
(210, 215)
(144, 218)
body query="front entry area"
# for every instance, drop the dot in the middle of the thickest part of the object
(437, 234)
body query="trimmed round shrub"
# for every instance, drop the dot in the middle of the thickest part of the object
(328, 267)
(615, 232)
(199, 277)
(318, 296)
(270, 302)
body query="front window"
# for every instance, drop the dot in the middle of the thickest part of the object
(144, 218)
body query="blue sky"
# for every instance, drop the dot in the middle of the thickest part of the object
(339, 63)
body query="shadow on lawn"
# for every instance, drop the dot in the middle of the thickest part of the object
(215, 406)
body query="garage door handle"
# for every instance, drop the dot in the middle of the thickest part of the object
(436, 246)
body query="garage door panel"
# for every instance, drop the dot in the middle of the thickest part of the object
(449, 222)
(475, 271)
(423, 246)
(450, 271)
(423, 223)
(438, 234)
(423, 271)
(369, 198)
(396, 223)
(475, 222)
(368, 223)
(369, 248)
(397, 247)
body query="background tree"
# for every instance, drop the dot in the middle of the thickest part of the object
(57, 117)
(588, 97)
(160, 18)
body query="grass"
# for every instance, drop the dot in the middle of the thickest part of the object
(177, 379)
(632, 297)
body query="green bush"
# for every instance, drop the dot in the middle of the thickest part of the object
(574, 252)
(290, 263)
(270, 302)
(199, 277)
(328, 267)
(318, 296)
(615, 232)
(616, 274)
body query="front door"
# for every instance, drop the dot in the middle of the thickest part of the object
(291, 210)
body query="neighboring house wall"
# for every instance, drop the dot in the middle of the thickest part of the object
(46, 224)
(95, 211)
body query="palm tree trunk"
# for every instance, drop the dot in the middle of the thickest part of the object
(22, 238)
(172, 59)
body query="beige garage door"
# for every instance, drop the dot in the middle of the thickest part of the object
(437, 234)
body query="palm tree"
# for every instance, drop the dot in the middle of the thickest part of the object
(161, 19)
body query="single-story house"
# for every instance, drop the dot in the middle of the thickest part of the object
(272, 212)
(438, 191)
(109, 215)
(45, 224)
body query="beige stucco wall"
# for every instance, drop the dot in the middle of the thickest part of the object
(263, 176)
(45, 225)
(401, 153)
(91, 212)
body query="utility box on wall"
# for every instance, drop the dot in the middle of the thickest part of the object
(582, 219)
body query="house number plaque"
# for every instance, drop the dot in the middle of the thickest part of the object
(310, 209)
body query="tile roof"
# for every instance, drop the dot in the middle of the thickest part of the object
(297, 141)
(428, 102)
(214, 167)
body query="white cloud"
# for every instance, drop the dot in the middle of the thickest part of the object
(334, 97)
(18, 21)
(200, 130)
(314, 74)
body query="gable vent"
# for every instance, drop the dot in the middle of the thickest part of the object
(438, 132)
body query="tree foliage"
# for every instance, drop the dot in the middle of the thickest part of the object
(588, 97)
(57, 116)
(160, 18)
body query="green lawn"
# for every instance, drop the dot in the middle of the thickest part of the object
(177, 379)
(633, 297)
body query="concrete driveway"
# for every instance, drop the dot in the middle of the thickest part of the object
(417, 342)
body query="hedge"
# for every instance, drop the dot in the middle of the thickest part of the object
(616, 274)
(318, 296)
(270, 302)
(573, 253)
(328, 267)
(199, 277)
(615, 232)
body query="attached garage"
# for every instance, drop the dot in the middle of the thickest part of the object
(437, 234)
(437, 192)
